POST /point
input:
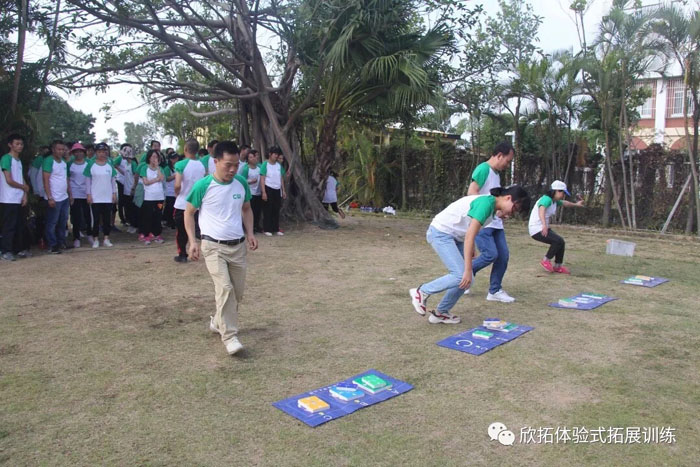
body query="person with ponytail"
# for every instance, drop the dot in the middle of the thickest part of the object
(452, 234)
(539, 230)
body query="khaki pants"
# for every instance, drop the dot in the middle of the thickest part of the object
(226, 265)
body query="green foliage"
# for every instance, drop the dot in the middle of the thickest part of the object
(139, 135)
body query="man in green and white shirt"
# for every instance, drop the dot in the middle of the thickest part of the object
(223, 201)
(13, 197)
(491, 240)
(188, 171)
(57, 193)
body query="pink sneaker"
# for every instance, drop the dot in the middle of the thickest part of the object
(562, 270)
(150, 237)
(159, 239)
(547, 265)
(142, 238)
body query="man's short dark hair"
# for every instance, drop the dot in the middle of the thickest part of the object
(191, 146)
(245, 146)
(225, 146)
(125, 145)
(253, 151)
(154, 142)
(89, 146)
(13, 137)
(275, 150)
(212, 143)
(56, 142)
(504, 148)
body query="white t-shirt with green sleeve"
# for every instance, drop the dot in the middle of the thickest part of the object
(535, 224)
(102, 184)
(487, 178)
(77, 179)
(154, 191)
(191, 170)
(10, 194)
(220, 206)
(455, 219)
(58, 178)
(273, 174)
(248, 174)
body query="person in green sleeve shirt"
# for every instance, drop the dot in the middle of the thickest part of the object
(13, 198)
(187, 172)
(452, 234)
(226, 224)
(491, 241)
(273, 191)
(539, 230)
(58, 196)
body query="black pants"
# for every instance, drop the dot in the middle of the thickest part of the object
(181, 234)
(101, 212)
(121, 203)
(151, 215)
(556, 245)
(271, 210)
(332, 205)
(256, 204)
(168, 211)
(131, 211)
(13, 238)
(80, 217)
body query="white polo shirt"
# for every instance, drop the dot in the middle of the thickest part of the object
(102, 181)
(273, 174)
(58, 178)
(77, 179)
(220, 206)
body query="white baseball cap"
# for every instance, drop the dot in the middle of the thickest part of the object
(559, 185)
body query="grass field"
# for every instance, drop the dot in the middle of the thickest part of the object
(105, 356)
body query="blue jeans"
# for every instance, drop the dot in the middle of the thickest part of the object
(57, 216)
(492, 249)
(451, 253)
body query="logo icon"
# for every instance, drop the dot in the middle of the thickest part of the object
(498, 431)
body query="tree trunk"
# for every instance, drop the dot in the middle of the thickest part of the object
(691, 211)
(613, 189)
(607, 203)
(325, 152)
(21, 39)
(692, 148)
(622, 158)
(404, 169)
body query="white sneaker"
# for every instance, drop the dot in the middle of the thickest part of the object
(443, 318)
(418, 300)
(268, 234)
(76, 243)
(280, 234)
(107, 242)
(90, 240)
(212, 326)
(500, 296)
(233, 346)
(96, 244)
(468, 291)
(131, 230)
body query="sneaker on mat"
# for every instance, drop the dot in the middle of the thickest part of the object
(500, 296)
(436, 317)
(418, 300)
(547, 265)
(233, 346)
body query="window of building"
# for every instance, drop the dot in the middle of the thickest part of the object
(646, 110)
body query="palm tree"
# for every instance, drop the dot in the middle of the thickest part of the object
(681, 34)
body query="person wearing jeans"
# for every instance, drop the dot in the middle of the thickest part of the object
(491, 241)
(58, 194)
(452, 235)
(273, 192)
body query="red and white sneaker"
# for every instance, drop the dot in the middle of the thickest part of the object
(418, 300)
(142, 238)
(159, 239)
(547, 265)
(562, 270)
(437, 317)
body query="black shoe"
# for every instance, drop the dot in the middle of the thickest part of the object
(180, 259)
(55, 250)
(116, 229)
(67, 246)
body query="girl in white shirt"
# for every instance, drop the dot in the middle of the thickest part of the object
(273, 192)
(152, 176)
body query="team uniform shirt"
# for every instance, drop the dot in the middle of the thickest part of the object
(331, 194)
(154, 191)
(102, 181)
(35, 176)
(191, 170)
(488, 178)
(129, 171)
(248, 174)
(121, 163)
(78, 180)
(220, 206)
(455, 219)
(10, 194)
(170, 187)
(273, 174)
(535, 224)
(58, 179)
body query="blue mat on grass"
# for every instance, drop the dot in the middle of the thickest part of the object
(464, 342)
(653, 282)
(339, 408)
(585, 301)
